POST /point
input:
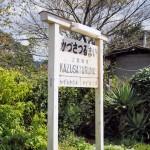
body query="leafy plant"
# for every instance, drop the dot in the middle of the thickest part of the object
(141, 83)
(73, 142)
(117, 103)
(21, 126)
(14, 87)
(113, 147)
(141, 146)
(122, 97)
(76, 111)
(138, 125)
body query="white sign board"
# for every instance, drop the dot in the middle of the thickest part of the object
(73, 64)
(78, 64)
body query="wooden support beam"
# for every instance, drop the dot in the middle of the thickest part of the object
(73, 26)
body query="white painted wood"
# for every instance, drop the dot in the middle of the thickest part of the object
(80, 28)
(51, 18)
(68, 81)
(70, 25)
(53, 79)
(89, 82)
(103, 37)
(77, 64)
(76, 68)
(99, 110)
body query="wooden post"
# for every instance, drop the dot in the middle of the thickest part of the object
(99, 127)
(53, 74)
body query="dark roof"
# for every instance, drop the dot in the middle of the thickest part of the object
(129, 50)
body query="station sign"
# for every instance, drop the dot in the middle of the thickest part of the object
(78, 64)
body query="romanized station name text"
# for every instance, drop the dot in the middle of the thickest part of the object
(76, 69)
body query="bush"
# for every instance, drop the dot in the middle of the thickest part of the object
(73, 142)
(113, 147)
(76, 107)
(141, 146)
(137, 126)
(117, 103)
(21, 127)
(141, 83)
(14, 87)
(76, 111)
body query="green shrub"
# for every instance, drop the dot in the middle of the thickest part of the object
(117, 103)
(37, 139)
(137, 125)
(113, 147)
(14, 87)
(76, 106)
(21, 126)
(14, 134)
(76, 110)
(141, 146)
(73, 142)
(39, 94)
(141, 83)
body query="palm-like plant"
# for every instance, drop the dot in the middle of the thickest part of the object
(138, 125)
(117, 103)
(121, 98)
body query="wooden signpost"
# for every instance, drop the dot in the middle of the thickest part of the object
(73, 63)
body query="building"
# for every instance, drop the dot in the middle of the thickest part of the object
(126, 62)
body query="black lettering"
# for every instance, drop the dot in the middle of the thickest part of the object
(74, 69)
(61, 67)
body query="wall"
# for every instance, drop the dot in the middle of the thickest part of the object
(127, 65)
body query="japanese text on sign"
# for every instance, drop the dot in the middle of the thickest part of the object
(78, 47)
(78, 64)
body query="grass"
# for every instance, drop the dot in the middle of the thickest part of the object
(73, 142)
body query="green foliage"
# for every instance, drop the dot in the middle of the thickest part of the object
(141, 83)
(15, 135)
(69, 112)
(126, 144)
(13, 86)
(138, 125)
(39, 95)
(76, 106)
(13, 53)
(121, 98)
(73, 142)
(123, 115)
(76, 110)
(13, 132)
(37, 133)
(113, 147)
(21, 127)
(141, 146)
(117, 103)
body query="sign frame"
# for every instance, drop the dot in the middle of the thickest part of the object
(55, 22)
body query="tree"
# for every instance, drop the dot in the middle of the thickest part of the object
(13, 53)
(124, 38)
(109, 16)
(5, 7)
